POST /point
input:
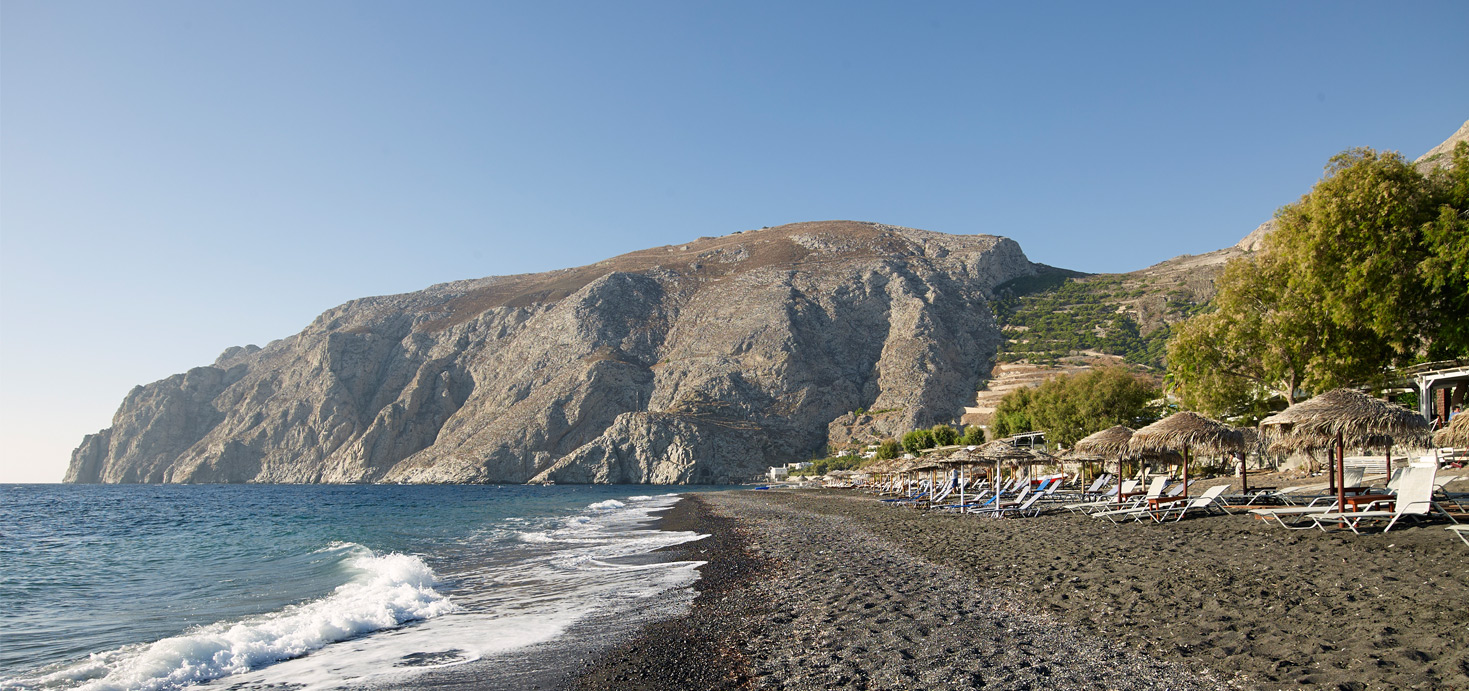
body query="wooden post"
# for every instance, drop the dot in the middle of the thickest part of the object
(1244, 473)
(1330, 469)
(1185, 473)
(1341, 471)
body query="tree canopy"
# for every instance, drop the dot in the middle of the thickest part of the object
(1368, 270)
(1069, 407)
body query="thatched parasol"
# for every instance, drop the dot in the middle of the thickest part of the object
(1349, 418)
(1186, 432)
(1110, 442)
(1456, 434)
(963, 458)
(1000, 450)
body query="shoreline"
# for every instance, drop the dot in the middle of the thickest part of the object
(828, 589)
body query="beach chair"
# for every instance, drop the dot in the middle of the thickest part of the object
(1414, 500)
(1300, 515)
(1208, 502)
(998, 501)
(1102, 502)
(1155, 490)
(1029, 508)
(1022, 505)
(1461, 530)
(1089, 492)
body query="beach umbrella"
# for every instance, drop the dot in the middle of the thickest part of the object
(1349, 417)
(1110, 442)
(999, 451)
(1035, 456)
(1186, 432)
(1456, 434)
(963, 458)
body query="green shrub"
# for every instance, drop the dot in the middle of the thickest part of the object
(944, 435)
(917, 440)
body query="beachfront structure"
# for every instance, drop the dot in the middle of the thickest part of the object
(1440, 387)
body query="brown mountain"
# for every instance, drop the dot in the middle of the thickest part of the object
(700, 362)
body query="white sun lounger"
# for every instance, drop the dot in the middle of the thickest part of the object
(1101, 504)
(1207, 502)
(1414, 500)
(1155, 490)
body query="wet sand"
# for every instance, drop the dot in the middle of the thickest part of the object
(823, 589)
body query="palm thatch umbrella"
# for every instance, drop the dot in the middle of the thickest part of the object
(1186, 432)
(1350, 418)
(1456, 434)
(1000, 450)
(1036, 456)
(963, 458)
(1110, 442)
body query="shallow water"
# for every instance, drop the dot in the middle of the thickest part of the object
(164, 587)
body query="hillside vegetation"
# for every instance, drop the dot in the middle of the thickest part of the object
(1058, 313)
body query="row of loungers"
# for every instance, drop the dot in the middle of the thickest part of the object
(1410, 494)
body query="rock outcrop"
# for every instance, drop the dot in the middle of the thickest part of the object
(703, 362)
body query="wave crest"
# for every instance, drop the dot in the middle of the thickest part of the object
(386, 591)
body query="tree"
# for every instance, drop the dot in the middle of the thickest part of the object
(917, 440)
(1070, 407)
(1012, 414)
(944, 435)
(1264, 338)
(1445, 270)
(973, 436)
(1352, 246)
(1369, 269)
(888, 449)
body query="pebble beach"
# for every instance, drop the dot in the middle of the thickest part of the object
(820, 589)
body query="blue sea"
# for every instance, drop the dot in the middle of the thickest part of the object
(311, 587)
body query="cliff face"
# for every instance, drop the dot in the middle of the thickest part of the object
(695, 363)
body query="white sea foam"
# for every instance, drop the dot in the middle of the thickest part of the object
(384, 592)
(640, 497)
(567, 572)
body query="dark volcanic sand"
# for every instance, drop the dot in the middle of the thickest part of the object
(827, 589)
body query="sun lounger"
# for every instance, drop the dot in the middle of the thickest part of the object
(1300, 515)
(1108, 499)
(1414, 500)
(1029, 508)
(998, 501)
(1461, 530)
(1155, 490)
(1208, 502)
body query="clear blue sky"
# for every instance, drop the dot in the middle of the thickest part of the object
(179, 177)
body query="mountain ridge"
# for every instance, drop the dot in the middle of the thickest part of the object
(685, 363)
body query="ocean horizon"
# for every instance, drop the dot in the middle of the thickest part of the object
(316, 586)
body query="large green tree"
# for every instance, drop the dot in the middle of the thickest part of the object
(1070, 407)
(1368, 270)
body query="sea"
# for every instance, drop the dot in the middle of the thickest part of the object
(323, 586)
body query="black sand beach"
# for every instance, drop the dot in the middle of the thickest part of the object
(830, 589)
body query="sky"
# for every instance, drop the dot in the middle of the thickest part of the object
(181, 177)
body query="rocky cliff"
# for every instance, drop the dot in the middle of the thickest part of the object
(703, 362)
